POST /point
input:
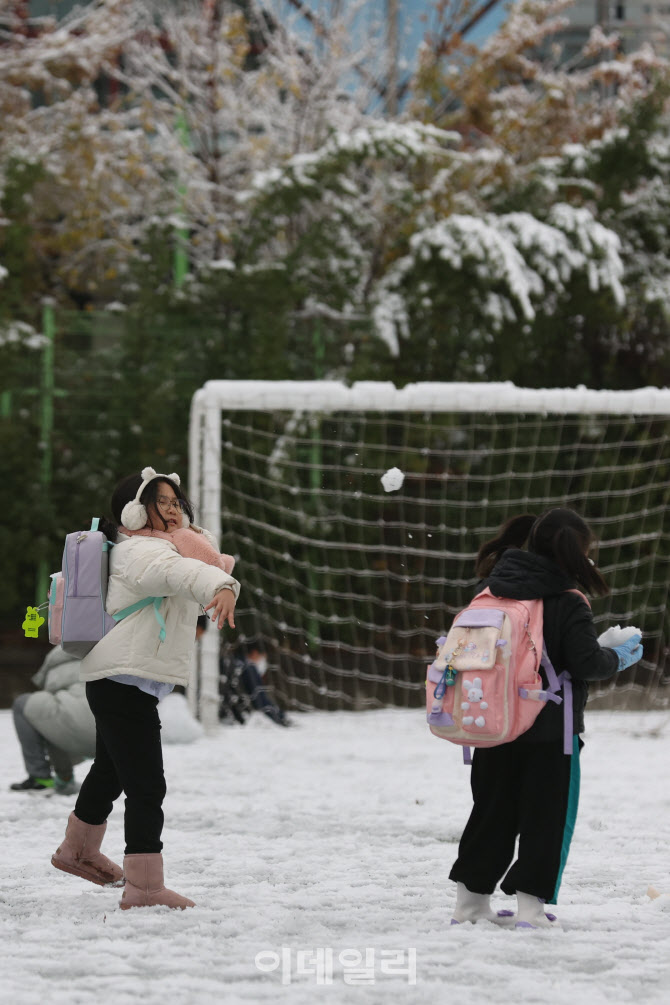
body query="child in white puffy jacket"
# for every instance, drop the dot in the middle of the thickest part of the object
(157, 553)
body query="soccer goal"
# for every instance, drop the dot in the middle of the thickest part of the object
(348, 585)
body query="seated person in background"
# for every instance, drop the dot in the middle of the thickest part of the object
(54, 726)
(241, 685)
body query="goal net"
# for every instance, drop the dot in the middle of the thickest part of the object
(348, 585)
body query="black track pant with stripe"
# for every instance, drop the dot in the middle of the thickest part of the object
(523, 790)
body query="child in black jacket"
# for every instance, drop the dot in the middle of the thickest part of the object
(529, 788)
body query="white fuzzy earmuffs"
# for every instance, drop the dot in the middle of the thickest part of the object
(134, 514)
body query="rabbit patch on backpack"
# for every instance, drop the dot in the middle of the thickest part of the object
(474, 695)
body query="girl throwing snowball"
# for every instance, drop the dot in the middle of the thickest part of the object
(157, 554)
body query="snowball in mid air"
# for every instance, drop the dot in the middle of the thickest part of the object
(392, 479)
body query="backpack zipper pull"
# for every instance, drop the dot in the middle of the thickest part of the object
(448, 678)
(531, 644)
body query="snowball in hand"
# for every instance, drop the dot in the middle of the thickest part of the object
(616, 635)
(392, 479)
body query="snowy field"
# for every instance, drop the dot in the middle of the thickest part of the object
(338, 836)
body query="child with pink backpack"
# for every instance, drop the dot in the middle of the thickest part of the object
(528, 787)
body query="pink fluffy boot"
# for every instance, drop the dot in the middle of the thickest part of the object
(145, 886)
(79, 854)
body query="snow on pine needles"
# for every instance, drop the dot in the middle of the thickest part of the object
(335, 836)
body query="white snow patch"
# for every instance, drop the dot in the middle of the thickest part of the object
(339, 833)
(177, 723)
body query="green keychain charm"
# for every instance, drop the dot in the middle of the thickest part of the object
(32, 623)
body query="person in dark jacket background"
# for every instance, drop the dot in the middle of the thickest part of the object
(241, 685)
(529, 788)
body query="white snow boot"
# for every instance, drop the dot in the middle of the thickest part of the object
(476, 907)
(531, 913)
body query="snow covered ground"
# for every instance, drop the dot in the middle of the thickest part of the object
(338, 835)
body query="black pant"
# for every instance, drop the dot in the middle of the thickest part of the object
(525, 790)
(128, 758)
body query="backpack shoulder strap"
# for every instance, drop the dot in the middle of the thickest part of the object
(95, 525)
(556, 680)
(582, 595)
(140, 605)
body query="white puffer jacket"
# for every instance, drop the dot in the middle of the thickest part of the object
(59, 710)
(152, 567)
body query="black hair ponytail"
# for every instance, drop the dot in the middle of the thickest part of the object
(108, 528)
(564, 537)
(512, 534)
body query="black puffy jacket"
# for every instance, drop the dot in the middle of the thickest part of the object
(569, 633)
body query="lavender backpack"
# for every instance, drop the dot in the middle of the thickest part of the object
(77, 616)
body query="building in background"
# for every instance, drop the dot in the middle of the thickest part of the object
(633, 21)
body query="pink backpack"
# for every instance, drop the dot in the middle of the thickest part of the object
(484, 687)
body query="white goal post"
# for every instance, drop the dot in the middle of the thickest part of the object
(348, 585)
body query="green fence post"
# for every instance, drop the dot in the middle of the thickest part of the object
(46, 434)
